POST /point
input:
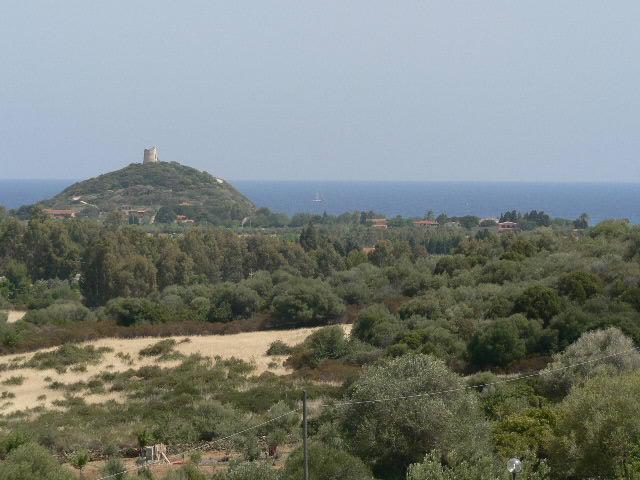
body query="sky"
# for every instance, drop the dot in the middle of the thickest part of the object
(323, 90)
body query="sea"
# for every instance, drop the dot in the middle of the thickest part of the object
(412, 198)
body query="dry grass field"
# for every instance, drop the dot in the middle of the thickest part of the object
(32, 391)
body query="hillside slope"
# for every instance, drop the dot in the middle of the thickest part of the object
(182, 190)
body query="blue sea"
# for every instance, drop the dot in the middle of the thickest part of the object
(565, 200)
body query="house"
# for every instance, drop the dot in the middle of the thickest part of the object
(60, 213)
(183, 219)
(425, 223)
(507, 226)
(378, 222)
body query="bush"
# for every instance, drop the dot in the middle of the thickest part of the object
(579, 285)
(598, 432)
(600, 349)
(114, 468)
(233, 301)
(31, 462)
(325, 343)
(59, 314)
(498, 343)
(304, 302)
(248, 471)
(538, 302)
(163, 347)
(376, 326)
(325, 463)
(278, 347)
(65, 356)
(130, 311)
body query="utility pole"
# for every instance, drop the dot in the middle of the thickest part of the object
(304, 437)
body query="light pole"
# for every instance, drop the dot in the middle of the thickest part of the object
(514, 465)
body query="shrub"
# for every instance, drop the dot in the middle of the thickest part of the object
(14, 380)
(248, 471)
(450, 264)
(600, 349)
(579, 285)
(538, 302)
(376, 326)
(499, 343)
(59, 314)
(326, 463)
(598, 433)
(163, 347)
(30, 462)
(233, 301)
(325, 343)
(114, 468)
(129, 311)
(304, 302)
(278, 347)
(65, 356)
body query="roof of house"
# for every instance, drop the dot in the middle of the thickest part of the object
(425, 222)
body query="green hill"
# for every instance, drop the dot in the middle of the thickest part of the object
(142, 190)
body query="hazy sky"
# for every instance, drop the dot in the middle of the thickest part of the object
(344, 89)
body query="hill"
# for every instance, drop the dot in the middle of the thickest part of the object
(160, 192)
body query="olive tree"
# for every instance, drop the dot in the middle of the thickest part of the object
(598, 432)
(607, 352)
(390, 435)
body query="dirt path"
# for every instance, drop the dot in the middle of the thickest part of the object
(250, 347)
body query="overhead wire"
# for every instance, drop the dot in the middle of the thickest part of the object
(378, 400)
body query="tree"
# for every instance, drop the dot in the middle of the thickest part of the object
(375, 325)
(598, 432)
(390, 436)
(309, 237)
(581, 222)
(32, 462)
(325, 463)
(538, 302)
(165, 215)
(478, 467)
(608, 352)
(497, 344)
(233, 301)
(579, 285)
(303, 301)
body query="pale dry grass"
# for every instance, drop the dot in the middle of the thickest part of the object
(250, 347)
(15, 315)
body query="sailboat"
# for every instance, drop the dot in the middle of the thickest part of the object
(318, 198)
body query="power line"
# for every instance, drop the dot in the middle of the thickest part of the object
(482, 385)
(382, 400)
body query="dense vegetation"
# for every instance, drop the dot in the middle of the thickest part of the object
(442, 309)
(166, 188)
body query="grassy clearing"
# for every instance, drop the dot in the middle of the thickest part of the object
(42, 387)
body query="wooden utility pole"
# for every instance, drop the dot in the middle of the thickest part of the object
(304, 437)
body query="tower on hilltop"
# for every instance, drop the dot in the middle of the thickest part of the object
(150, 155)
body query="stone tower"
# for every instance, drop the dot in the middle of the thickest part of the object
(150, 155)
